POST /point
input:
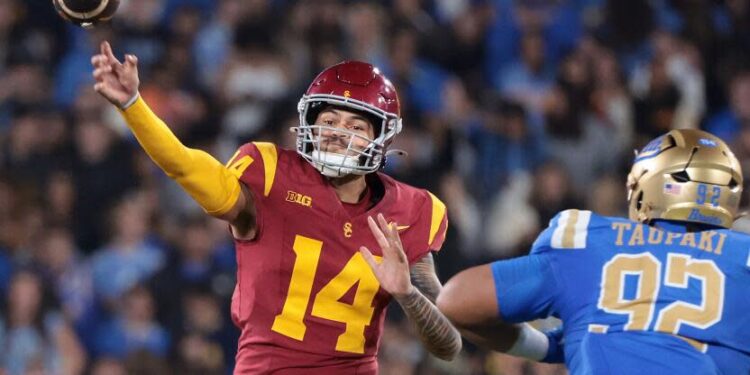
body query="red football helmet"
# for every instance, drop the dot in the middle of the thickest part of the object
(360, 87)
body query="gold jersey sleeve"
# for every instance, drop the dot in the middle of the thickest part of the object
(214, 187)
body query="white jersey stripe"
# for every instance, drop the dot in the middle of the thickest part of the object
(557, 235)
(582, 229)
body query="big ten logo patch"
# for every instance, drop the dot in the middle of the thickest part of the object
(293, 196)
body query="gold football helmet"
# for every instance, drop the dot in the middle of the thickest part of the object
(686, 175)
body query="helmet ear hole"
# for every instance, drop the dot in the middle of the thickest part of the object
(681, 176)
(733, 183)
(671, 140)
(639, 200)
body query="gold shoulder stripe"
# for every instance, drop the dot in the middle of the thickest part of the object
(270, 162)
(570, 230)
(438, 212)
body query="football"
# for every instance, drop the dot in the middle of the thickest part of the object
(86, 13)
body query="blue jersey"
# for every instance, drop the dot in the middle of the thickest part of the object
(634, 298)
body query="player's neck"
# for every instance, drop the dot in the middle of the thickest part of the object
(349, 188)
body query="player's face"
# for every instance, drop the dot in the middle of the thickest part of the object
(338, 118)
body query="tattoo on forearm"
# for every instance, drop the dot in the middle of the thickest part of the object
(436, 332)
(423, 277)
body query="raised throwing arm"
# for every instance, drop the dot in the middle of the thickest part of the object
(211, 184)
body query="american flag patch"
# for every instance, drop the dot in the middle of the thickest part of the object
(673, 189)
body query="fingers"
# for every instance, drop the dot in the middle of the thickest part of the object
(390, 230)
(105, 62)
(101, 60)
(369, 258)
(109, 57)
(106, 50)
(387, 228)
(387, 237)
(101, 71)
(131, 61)
(130, 65)
(379, 236)
(102, 89)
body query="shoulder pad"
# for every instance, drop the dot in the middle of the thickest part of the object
(567, 230)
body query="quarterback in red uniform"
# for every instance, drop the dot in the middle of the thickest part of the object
(324, 240)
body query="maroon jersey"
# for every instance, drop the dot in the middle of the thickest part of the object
(306, 300)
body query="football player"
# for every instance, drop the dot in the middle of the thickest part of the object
(323, 239)
(662, 293)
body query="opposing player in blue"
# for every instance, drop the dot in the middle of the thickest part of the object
(666, 292)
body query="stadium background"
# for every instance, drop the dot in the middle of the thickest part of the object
(513, 110)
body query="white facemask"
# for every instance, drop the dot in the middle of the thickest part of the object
(335, 165)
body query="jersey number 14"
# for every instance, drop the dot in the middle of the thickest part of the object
(357, 315)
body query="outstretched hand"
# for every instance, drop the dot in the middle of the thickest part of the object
(393, 270)
(116, 81)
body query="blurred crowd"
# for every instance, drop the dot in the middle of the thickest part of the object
(513, 111)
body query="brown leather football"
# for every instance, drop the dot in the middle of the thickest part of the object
(86, 13)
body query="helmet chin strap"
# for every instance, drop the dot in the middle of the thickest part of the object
(331, 164)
